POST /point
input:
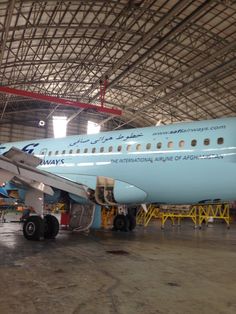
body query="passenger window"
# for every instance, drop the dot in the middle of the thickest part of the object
(110, 149)
(170, 144)
(159, 145)
(101, 149)
(119, 148)
(94, 150)
(56, 152)
(181, 144)
(220, 140)
(206, 141)
(128, 148)
(148, 146)
(78, 151)
(43, 151)
(71, 151)
(63, 152)
(194, 143)
(85, 150)
(50, 153)
(138, 147)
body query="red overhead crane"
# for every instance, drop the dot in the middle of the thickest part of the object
(60, 101)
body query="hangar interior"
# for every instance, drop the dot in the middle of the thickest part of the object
(159, 62)
(165, 61)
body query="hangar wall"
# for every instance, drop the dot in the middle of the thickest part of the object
(24, 126)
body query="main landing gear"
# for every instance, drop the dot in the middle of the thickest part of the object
(35, 227)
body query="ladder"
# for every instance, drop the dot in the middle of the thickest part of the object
(144, 217)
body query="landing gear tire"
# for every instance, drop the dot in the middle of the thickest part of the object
(132, 221)
(121, 223)
(51, 227)
(33, 228)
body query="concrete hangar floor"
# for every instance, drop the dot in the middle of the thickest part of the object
(146, 271)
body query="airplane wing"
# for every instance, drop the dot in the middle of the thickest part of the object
(20, 168)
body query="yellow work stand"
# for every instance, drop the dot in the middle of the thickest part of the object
(178, 214)
(214, 211)
(197, 213)
(143, 217)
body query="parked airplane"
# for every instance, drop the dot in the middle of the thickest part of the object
(175, 164)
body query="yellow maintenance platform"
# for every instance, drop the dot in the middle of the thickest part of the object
(144, 215)
(198, 213)
(214, 211)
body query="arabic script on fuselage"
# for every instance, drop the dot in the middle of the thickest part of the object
(105, 139)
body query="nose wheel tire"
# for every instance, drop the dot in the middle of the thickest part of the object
(132, 221)
(33, 228)
(121, 223)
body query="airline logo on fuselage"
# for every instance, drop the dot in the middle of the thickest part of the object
(29, 148)
(52, 162)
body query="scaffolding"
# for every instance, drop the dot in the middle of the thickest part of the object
(198, 213)
(144, 216)
(177, 213)
(214, 211)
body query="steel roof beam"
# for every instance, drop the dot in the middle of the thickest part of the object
(182, 25)
(6, 28)
(118, 38)
(56, 100)
(202, 78)
(197, 66)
